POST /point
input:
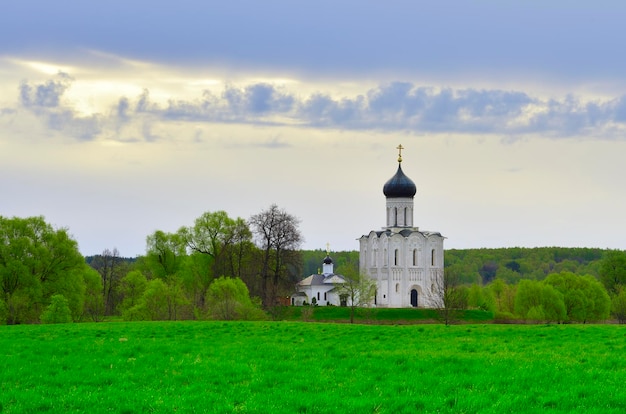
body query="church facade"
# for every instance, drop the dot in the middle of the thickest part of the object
(406, 262)
(321, 288)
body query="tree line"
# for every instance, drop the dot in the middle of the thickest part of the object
(217, 267)
(221, 267)
(547, 284)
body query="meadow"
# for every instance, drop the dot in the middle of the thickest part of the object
(296, 367)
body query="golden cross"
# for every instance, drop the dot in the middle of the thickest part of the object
(328, 249)
(400, 148)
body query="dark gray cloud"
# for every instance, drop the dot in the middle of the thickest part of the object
(397, 106)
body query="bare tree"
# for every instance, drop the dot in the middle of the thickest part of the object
(277, 235)
(111, 268)
(448, 298)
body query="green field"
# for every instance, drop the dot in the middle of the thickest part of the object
(377, 315)
(294, 367)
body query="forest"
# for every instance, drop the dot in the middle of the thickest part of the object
(230, 268)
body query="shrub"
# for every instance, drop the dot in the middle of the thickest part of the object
(229, 299)
(58, 311)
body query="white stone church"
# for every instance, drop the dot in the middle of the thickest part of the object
(406, 262)
(321, 288)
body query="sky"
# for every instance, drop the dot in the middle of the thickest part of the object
(120, 118)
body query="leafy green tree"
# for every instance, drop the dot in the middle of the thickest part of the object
(600, 300)
(480, 298)
(528, 296)
(618, 305)
(229, 299)
(613, 270)
(503, 297)
(177, 302)
(211, 234)
(37, 262)
(159, 301)
(58, 311)
(535, 314)
(216, 236)
(585, 298)
(196, 276)
(507, 275)
(165, 253)
(153, 304)
(132, 286)
(536, 301)
(94, 302)
(552, 304)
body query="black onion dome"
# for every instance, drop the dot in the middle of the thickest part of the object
(328, 260)
(399, 186)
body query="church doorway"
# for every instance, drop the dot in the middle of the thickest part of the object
(343, 300)
(414, 298)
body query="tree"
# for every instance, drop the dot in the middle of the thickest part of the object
(359, 289)
(164, 253)
(618, 305)
(480, 298)
(213, 235)
(229, 299)
(527, 297)
(504, 297)
(585, 299)
(58, 311)
(37, 262)
(112, 268)
(537, 301)
(552, 304)
(94, 302)
(153, 304)
(613, 270)
(449, 299)
(277, 235)
(132, 286)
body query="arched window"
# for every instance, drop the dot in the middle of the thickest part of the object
(396, 257)
(414, 257)
(397, 287)
(432, 257)
(395, 216)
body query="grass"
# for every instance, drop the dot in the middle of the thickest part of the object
(291, 367)
(375, 315)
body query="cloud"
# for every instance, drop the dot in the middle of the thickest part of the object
(45, 100)
(393, 107)
(46, 95)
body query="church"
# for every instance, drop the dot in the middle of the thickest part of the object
(405, 262)
(321, 288)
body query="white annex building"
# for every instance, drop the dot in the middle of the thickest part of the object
(321, 288)
(406, 262)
